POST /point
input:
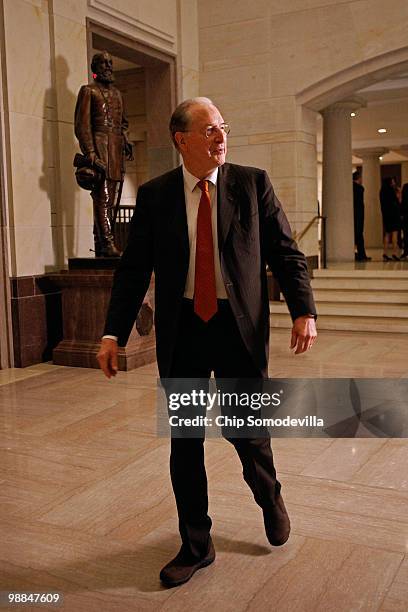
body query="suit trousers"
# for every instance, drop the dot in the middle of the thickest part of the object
(203, 348)
(359, 232)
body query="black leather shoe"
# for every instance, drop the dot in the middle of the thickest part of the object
(277, 523)
(180, 569)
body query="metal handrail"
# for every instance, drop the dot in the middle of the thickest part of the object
(322, 241)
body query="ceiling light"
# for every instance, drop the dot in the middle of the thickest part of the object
(352, 114)
(382, 131)
(380, 157)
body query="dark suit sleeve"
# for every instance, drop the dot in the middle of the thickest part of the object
(281, 253)
(132, 277)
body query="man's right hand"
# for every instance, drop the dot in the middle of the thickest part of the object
(108, 357)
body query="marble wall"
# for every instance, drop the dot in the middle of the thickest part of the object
(256, 58)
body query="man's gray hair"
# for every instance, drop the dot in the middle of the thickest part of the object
(181, 118)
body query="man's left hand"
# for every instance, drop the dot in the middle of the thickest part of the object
(303, 334)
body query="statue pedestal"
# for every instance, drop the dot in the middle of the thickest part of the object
(85, 298)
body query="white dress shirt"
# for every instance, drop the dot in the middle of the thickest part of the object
(192, 194)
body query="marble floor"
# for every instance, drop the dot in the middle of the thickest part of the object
(87, 508)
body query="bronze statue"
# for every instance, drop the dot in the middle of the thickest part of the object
(101, 128)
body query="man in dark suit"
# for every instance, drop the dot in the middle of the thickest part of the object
(358, 204)
(207, 230)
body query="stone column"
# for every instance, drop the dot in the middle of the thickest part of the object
(404, 171)
(337, 189)
(373, 234)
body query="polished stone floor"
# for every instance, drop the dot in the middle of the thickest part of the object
(87, 508)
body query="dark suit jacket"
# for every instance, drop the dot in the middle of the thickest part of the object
(358, 205)
(252, 231)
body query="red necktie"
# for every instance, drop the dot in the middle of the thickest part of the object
(205, 294)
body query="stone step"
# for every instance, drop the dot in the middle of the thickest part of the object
(337, 323)
(360, 283)
(352, 309)
(400, 272)
(361, 296)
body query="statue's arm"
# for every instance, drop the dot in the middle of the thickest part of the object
(83, 122)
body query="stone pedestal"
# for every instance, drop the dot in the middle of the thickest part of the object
(85, 299)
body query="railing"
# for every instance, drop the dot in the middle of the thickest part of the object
(121, 229)
(322, 240)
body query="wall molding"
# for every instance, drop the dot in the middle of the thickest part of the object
(133, 26)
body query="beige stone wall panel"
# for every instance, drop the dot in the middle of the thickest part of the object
(74, 10)
(283, 156)
(224, 62)
(235, 38)
(318, 42)
(30, 197)
(71, 65)
(285, 189)
(75, 203)
(380, 26)
(188, 56)
(231, 82)
(259, 117)
(277, 7)
(40, 4)
(254, 155)
(306, 156)
(188, 33)
(190, 79)
(27, 57)
(34, 249)
(293, 67)
(231, 11)
(306, 120)
(306, 197)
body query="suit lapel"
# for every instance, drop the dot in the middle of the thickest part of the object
(177, 214)
(227, 203)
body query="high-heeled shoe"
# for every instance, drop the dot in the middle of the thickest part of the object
(396, 258)
(386, 258)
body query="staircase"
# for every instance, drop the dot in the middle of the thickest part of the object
(355, 300)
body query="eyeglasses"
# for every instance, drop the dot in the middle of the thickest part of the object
(210, 130)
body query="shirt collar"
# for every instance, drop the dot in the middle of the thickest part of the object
(191, 181)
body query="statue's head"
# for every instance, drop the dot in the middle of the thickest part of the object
(101, 66)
